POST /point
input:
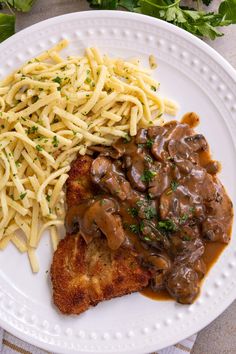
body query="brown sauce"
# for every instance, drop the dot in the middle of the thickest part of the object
(164, 202)
(212, 252)
(191, 118)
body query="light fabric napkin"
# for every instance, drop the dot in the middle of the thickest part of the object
(12, 345)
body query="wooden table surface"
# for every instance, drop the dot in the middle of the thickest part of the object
(220, 336)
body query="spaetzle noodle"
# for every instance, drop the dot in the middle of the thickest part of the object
(51, 109)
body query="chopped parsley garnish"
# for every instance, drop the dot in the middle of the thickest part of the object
(140, 203)
(148, 158)
(146, 238)
(88, 80)
(133, 212)
(134, 228)
(57, 80)
(55, 141)
(141, 146)
(102, 201)
(174, 185)
(148, 175)
(153, 88)
(167, 225)
(39, 148)
(48, 198)
(32, 130)
(183, 218)
(149, 143)
(22, 195)
(186, 238)
(141, 226)
(150, 212)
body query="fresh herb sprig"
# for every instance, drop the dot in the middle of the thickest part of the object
(7, 22)
(7, 26)
(199, 23)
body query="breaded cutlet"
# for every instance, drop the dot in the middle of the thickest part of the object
(85, 274)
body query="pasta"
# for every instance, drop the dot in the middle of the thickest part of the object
(51, 109)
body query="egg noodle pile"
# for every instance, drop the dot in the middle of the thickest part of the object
(51, 109)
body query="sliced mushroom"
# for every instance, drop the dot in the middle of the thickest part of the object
(161, 265)
(213, 230)
(161, 181)
(191, 251)
(200, 268)
(105, 174)
(101, 217)
(183, 283)
(74, 216)
(177, 148)
(183, 165)
(176, 131)
(154, 237)
(155, 131)
(196, 142)
(213, 167)
(115, 151)
(159, 261)
(135, 173)
(157, 148)
(100, 166)
(141, 137)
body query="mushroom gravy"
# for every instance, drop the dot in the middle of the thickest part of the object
(157, 193)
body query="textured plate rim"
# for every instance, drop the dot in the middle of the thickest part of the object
(215, 56)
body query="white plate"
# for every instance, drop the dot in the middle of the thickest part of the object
(201, 81)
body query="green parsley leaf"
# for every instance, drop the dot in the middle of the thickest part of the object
(102, 201)
(153, 88)
(104, 4)
(88, 80)
(39, 147)
(167, 225)
(7, 26)
(134, 228)
(149, 143)
(55, 141)
(228, 10)
(183, 218)
(199, 23)
(32, 130)
(148, 158)
(130, 5)
(148, 175)
(150, 212)
(133, 212)
(57, 80)
(20, 5)
(186, 238)
(174, 185)
(22, 195)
